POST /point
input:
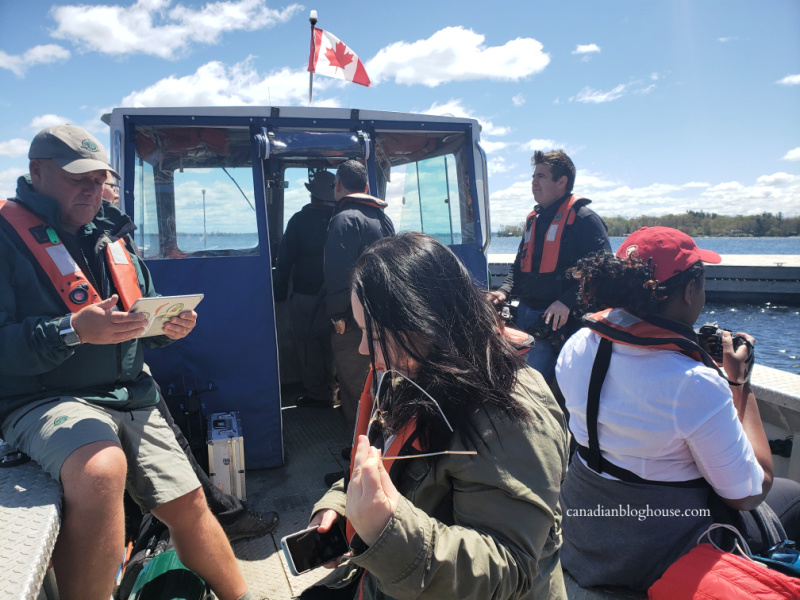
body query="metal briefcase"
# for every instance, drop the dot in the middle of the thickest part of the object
(226, 453)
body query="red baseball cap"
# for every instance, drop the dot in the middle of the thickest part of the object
(668, 251)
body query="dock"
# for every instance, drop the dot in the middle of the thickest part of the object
(755, 278)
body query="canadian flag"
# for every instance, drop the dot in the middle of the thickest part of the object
(330, 56)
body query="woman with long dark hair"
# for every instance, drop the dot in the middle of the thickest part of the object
(667, 442)
(453, 488)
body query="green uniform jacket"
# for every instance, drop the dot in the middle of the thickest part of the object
(34, 361)
(474, 527)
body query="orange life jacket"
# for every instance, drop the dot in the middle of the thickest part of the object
(67, 278)
(623, 327)
(521, 341)
(365, 199)
(565, 215)
(366, 406)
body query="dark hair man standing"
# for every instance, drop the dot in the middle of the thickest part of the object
(560, 230)
(358, 220)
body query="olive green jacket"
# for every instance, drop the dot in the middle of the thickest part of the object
(473, 527)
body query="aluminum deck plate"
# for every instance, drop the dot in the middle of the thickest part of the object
(30, 504)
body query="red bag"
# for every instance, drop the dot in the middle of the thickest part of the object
(707, 573)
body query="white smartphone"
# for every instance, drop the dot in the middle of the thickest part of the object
(308, 549)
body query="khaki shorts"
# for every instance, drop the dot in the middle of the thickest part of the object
(50, 430)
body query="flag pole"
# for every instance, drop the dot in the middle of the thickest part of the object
(312, 18)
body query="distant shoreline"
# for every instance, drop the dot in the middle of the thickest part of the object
(714, 235)
(695, 224)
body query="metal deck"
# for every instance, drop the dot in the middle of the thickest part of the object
(313, 442)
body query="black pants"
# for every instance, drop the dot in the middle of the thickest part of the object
(784, 499)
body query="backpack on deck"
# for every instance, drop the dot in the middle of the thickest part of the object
(154, 571)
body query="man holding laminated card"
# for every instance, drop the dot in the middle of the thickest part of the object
(73, 391)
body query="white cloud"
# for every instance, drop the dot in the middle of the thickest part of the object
(539, 144)
(215, 84)
(15, 147)
(591, 96)
(776, 180)
(586, 49)
(492, 147)
(589, 182)
(456, 54)
(793, 154)
(790, 80)
(48, 120)
(778, 191)
(456, 109)
(153, 27)
(37, 55)
(8, 181)
(518, 100)
(696, 184)
(724, 40)
(511, 205)
(498, 164)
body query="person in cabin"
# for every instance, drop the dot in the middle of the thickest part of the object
(357, 221)
(460, 448)
(111, 190)
(560, 230)
(301, 258)
(664, 438)
(74, 392)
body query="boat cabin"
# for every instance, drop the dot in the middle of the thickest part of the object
(211, 191)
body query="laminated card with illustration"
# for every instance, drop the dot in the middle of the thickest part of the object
(159, 309)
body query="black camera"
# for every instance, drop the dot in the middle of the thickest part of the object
(710, 338)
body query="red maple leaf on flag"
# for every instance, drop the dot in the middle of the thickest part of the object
(339, 58)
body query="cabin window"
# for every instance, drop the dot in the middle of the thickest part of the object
(426, 184)
(193, 194)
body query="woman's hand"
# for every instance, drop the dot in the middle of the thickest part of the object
(371, 495)
(324, 519)
(735, 363)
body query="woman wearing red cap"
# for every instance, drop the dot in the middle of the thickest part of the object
(667, 443)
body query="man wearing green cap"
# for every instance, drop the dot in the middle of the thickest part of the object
(73, 391)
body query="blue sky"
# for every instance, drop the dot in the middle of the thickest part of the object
(664, 106)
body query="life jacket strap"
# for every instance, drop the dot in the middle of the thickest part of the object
(592, 455)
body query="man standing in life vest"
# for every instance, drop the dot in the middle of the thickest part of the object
(357, 221)
(560, 230)
(73, 391)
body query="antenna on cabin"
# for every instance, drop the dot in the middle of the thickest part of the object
(205, 239)
(312, 18)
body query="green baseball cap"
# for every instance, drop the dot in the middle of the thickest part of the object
(73, 149)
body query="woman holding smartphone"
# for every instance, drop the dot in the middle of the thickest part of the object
(460, 448)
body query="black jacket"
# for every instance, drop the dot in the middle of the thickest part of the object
(302, 250)
(356, 223)
(539, 290)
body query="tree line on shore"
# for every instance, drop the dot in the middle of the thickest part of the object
(695, 223)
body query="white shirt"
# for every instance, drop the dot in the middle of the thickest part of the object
(662, 416)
